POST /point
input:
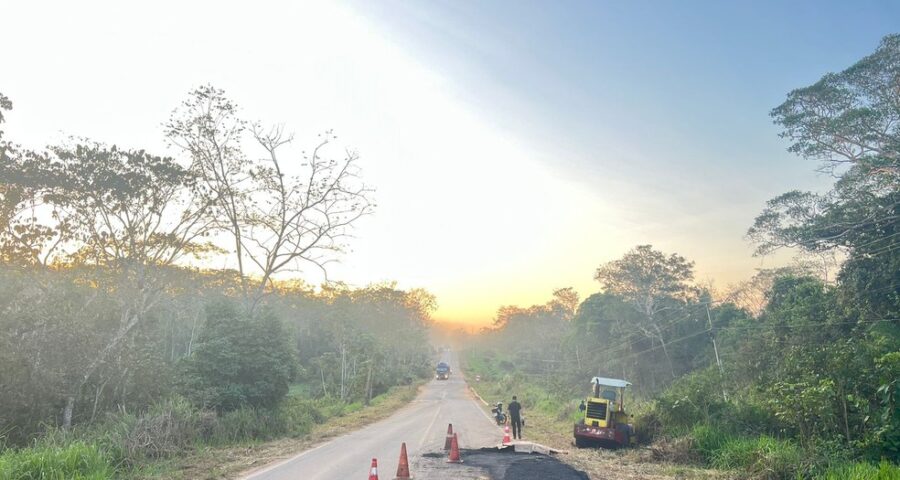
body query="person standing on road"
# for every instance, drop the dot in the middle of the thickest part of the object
(515, 417)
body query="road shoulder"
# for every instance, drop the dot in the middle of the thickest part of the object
(600, 464)
(240, 460)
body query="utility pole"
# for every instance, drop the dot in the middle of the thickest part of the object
(716, 349)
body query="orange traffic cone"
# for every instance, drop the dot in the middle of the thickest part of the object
(449, 438)
(373, 472)
(403, 466)
(506, 439)
(454, 451)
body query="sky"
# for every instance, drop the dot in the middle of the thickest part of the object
(514, 146)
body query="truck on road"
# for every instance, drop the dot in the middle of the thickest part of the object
(442, 371)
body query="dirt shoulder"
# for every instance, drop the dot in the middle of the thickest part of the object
(232, 462)
(644, 463)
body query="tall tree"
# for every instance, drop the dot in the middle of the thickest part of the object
(280, 215)
(125, 215)
(26, 237)
(850, 123)
(652, 283)
(566, 300)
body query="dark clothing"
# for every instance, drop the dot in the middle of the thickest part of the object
(515, 418)
(514, 409)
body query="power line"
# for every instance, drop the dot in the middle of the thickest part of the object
(673, 322)
(808, 325)
(881, 251)
(663, 327)
(612, 350)
(881, 239)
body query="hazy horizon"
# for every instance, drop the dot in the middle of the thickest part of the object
(514, 147)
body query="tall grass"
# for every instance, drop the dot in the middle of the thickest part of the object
(77, 460)
(763, 457)
(124, 442)
(862, 471)
(708, 440)
(759, 456)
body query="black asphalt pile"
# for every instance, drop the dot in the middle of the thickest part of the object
(505, 464)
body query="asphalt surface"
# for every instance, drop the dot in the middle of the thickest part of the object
(501, 464)
(422, 424)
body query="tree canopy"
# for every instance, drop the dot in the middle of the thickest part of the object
(850, 123)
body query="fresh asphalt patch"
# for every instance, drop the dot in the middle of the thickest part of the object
(499, 464)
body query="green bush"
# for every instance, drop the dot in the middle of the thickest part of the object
(693, 399)
(300, 415)
(77, 460)
(862, 471)
(239, 361)
(294, 416)
(165, 429)
(744, 415)
(332, 408)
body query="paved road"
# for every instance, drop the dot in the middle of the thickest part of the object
(422, 425)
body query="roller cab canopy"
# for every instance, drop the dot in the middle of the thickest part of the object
(610, 382)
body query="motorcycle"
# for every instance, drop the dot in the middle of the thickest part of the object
(499, 416)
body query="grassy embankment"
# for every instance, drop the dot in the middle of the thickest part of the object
(176, 440)
(701, 452)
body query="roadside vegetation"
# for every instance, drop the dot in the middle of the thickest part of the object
(122, 353)
(178, 440)
(792, 374)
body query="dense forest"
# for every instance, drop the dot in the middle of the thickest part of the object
(114, 332)
(783, 374)
(121, 344)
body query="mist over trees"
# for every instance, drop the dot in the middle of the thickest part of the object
(785, 354)
(105, 306)
(111, 320)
